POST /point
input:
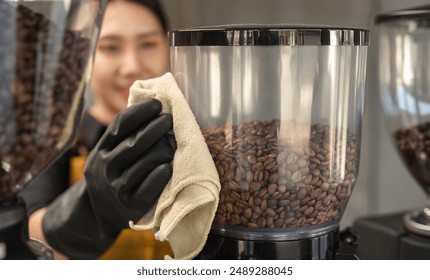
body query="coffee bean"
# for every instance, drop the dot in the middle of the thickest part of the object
(309, 151)
(244, 188)
(301, 163)
(292, 196)
(249, 176)
(279, 222)
(280, 209)
(314, 180)
(301, 193)
(301, 209)
(307, 180)
(316, 172)
(252, 159)
(294, 190)
(235, 219)
(315, 163)
(295, 203)
(321, 196)
(261, 222)
(305, 200)
(234, 195)
(282, 188)
(308, 211)
(238, 210)
(262, 192)
(291, 158)
(263, 204)
(270, 212)
(257, 211)
(257, 200)
(316, 193)
(244, 220)
(255, 186)
(321, 216)
(290, 220)
(287, 184)
(273, 177)
(248, 213)
(301, 221)
(257, 166)
(271, 189)
(284, 202)
(251, 201)
(325, 186)
(282, 157)
(272, 202)
(283, 180)
(321, 156)
(229, 207)
(239, 174)
(296, 176)
(233, 186)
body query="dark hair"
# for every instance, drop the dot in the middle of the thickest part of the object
(156, 8)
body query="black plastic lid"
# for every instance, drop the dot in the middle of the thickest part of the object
(264, 35)
(419, 14)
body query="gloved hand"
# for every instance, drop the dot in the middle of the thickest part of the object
(124, 176)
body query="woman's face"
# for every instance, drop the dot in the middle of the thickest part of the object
(132, 46)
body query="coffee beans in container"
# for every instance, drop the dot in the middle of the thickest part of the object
(414, 146)
(282, 174)
(41, 87)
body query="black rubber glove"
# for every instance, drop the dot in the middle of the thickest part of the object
(124, 176)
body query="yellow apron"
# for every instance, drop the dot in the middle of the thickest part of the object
(130, 244)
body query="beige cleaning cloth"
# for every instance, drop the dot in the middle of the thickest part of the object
(187, 206)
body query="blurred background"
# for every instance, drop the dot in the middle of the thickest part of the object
(384, 185)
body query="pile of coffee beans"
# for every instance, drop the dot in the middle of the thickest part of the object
(414, 146)
(41, 70)
(272, 180)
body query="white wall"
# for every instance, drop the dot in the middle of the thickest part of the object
(189, 13)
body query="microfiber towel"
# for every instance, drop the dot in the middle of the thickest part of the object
(187, 206)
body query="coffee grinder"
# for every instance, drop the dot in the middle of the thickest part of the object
(46, 51)
(404, 63)
(280, 107)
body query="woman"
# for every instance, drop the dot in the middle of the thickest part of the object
(132, 46)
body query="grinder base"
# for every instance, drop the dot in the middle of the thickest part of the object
(386, 238)
(13, 223)
(333, 245)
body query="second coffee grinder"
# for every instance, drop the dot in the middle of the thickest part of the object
(404, 63)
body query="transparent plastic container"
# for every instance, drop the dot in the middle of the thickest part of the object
(280, 108)
(404, 64)
(46, 50)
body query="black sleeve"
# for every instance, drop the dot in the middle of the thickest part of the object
(47, 186)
